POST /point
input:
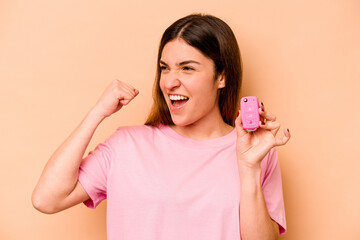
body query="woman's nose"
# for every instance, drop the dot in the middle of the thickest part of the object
(172, 80)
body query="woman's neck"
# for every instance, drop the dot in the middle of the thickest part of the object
(204, 130)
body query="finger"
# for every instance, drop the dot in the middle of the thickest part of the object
(285, 139)
(267, 115)
(127, 89)
(122, 94)
(127, 97)
(123, 85)
(262, 119)
(238, 124)
(261, 105)
(130, 88)
(271, 126)
(135, 91)
(125, 101)
(130, 93)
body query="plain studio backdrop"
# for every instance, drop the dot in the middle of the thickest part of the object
(301, 58)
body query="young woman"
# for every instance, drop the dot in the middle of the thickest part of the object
(192, 171)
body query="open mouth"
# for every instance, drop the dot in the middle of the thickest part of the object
(178, 100)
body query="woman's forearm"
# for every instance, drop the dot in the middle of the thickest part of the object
(60, 174)
(255, 222)
(59, 177)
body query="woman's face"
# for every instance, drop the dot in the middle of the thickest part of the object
(188, 84)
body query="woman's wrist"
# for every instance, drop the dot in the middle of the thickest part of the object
(96, 115)
(249, 173)
(245, 166)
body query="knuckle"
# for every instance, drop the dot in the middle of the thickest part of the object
(118, 92)
(116, 81)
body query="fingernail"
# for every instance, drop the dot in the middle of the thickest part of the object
(262, 104)
(288, 130)
(237, 114)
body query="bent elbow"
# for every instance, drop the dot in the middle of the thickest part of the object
(41, 204)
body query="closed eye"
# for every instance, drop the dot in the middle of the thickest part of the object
(162, 68)
(187, 68)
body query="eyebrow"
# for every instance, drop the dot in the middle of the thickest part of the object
(182, 63)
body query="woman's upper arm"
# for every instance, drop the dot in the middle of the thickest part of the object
(78, 195)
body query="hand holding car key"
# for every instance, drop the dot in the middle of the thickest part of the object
(250, 116)
(256, 132)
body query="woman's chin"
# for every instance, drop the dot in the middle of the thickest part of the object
(180, 122)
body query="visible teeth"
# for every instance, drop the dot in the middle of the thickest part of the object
(177, 97)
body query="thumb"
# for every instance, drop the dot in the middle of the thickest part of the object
(238, 124)
(125, 100)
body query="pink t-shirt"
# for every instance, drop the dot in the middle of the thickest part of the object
(160, 185)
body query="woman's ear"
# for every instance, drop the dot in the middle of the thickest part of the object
(221, 80)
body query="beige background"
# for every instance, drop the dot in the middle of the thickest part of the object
(301, 58)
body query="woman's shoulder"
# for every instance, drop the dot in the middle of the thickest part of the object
(139, 130)
(132, 133)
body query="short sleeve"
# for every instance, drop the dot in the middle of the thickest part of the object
(94, 170)
(272, 189)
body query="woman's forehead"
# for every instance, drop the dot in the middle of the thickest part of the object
(178, 51)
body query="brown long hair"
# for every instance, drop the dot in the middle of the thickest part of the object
(214, 38)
